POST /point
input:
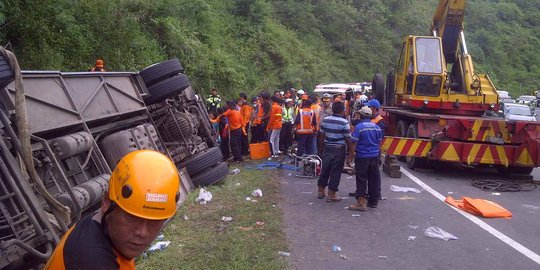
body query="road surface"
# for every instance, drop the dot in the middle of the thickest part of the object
(379, 238)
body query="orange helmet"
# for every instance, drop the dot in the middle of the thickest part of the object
(100, 63)
(145, 183)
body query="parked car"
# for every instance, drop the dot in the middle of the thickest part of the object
(517, 112)
(527, 100)
(504, 95)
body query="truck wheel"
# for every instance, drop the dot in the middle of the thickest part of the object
(514, 170)
(401, 131)
(211, 176)
(167, 88)
(414, 162)
(378, 87)
(160, 71)
(203, 160)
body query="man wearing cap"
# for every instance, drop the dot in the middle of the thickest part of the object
(375, 106)
(366, 138)
(142, 195)
(326, 110)
(288, 123)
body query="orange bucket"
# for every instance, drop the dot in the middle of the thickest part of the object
(259, 150)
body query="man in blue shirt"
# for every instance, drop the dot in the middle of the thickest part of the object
(336, 132)
(367, 136)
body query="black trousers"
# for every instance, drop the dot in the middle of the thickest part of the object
(368, 178)
(258, 134)
(332, 166)
(245, 142)
(224, 146)
(286, 136)
(236, 143)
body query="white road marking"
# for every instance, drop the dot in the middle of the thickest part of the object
(509, 241)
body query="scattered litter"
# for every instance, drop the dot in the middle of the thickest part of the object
(160, 237)
(336, 248)
(310, 203)
(248, 198)
(412, 227)
(226, 219)
(383, 257)
(349, 177)
(237, 184)
(479, 207)
(161, 245)
(487, 249)
(234, 171)
(289, 174)
(270, 158)
(530, 206)
(204, 196)
(185, 217)
(284, 254)
(257, 193)
(355, 215)
(344, 257)
(245, 229)
(404, 189)
(259, 223)
(496, 193)
(307, 192)
(273, 205)
(344, 198)
(346, 207)
(411, 238)
(383, 198)
(436, 232)
(406, 198)
(450, 192)
(254, 201)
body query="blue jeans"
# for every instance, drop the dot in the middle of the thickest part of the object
(305, 144)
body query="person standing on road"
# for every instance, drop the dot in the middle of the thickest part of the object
(336, 131)
(367, 136)
(288, 123)
(306, 124)
(274, 126)
(142, 195)
(326, 110)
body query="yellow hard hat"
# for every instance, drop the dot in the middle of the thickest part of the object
(145, 183)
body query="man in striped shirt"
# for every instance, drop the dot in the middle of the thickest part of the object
(337, 135)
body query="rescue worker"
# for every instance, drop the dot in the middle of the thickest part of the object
(274, 126)
(336, 132)
(245, 111)
(99, 66)
(142, 195)
(235, 121)
(287, 127)
(306, 125)
(366, 138)
(255, 120)
(213, 102)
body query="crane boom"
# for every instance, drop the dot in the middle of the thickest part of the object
(448, 24)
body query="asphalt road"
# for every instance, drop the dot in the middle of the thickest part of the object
(378, 239)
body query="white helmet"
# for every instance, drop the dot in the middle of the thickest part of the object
(363, 98)
(301, 92)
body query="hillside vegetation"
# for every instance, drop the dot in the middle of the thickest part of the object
(250, 45)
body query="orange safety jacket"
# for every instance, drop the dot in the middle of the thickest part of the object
(258, 118)
(275, 117)
(306, 118)
(377, 119)
(245, 111)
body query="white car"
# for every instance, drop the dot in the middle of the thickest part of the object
(334, 88)
(519, 112)
(527, 100)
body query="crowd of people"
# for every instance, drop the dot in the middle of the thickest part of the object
(340, 128)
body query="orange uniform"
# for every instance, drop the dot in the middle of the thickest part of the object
(235, 119)
(306, 121)
(245, 111)
(275, 117)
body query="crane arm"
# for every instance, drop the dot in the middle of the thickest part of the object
(448, 24)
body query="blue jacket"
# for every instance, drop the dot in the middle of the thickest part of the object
(368, 137)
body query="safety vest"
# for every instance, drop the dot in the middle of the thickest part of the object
(306, 118)
(377, 119)
(288, 115)
(214, 101)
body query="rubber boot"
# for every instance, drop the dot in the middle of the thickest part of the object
(321, 193)
(361, 205)
(332, 197)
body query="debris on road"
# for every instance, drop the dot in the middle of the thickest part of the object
(344, 257)
(336, 248)
(479, 207)
(284, 254)
(356, 215)
(383, 257)
(404, 189)
(226, 219)
(436, 232)
(204, 196)
(257, 193)
(349, 177)
(411, 238)
(496, 193)
(412, 227)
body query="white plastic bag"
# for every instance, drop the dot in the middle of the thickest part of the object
(204, 196)
(257, 193)
(436, 232)
(404, 189)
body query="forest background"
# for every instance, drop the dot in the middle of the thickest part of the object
(252, 45)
